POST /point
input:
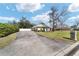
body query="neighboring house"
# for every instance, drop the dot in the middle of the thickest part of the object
(41, 27)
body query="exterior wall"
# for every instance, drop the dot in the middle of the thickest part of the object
(41, 29)
(38, 29)
(48, 29)
(45, 29)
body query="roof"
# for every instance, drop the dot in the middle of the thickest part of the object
(40, 25)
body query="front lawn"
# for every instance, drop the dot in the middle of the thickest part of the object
(78, 35)
(7, 40)
(57, 34)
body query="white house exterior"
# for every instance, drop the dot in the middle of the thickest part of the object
(41, 27)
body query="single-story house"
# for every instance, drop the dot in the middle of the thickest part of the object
(41, 27)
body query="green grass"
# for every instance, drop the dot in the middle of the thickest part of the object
(57, 34)
(7, 40)
(78, 35)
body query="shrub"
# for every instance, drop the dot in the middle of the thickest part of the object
(6, 29)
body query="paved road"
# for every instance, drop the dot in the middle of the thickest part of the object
(30, 44)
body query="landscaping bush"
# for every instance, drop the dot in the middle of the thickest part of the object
(6, 29)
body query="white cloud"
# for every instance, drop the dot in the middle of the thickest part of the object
(29, 7)
(74, 18)
(44, 17)
(7, 7)
(6, 19)
(73, 7)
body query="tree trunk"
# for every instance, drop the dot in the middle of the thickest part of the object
(53, 25)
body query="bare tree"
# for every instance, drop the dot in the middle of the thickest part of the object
(62, 22)
(55, 16)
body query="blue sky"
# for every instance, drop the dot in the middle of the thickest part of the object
(36, 12)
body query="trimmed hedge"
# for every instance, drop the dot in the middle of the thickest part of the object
(6, 29)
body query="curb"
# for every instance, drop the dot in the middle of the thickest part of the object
(66, 51)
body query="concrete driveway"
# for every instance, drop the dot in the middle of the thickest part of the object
(74, 52)
(30, 44)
